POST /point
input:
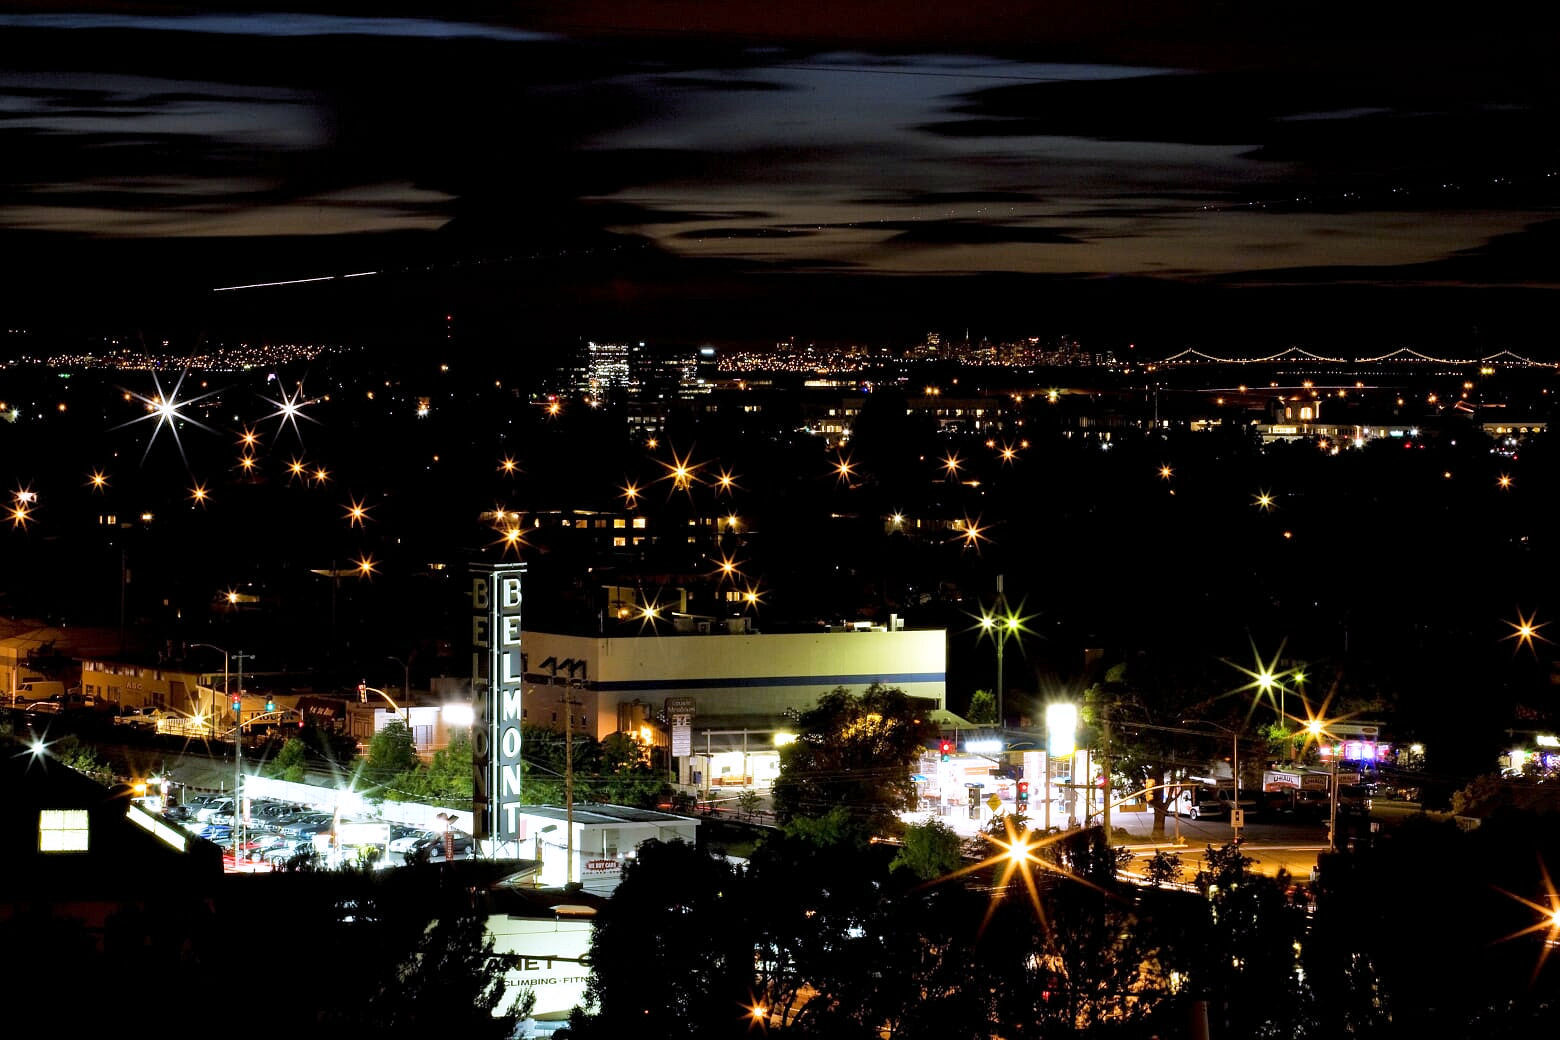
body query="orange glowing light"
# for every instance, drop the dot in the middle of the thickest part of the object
(1165, 472)
(1525, 631)
(1504, 481)
(366, 566)
(98, 480)
(321, 475)
(247, 463)
(509, 466)
(249, 438)
(951, 464)
(199, 494)
(356, 513)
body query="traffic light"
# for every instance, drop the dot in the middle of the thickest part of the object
(1023, 794)
(947, 749)
(270, 703)
(362, 693)
(238, 704)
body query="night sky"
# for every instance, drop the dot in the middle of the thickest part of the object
(749, 170)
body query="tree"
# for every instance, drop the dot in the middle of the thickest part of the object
(856, 754)
(289, 762)
(983, 707)
(931, 850)
(452, 981)
(1145, 699)
(673, 951)
(390, 753)
(748, 802)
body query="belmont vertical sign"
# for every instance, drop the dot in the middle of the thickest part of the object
(496, 599)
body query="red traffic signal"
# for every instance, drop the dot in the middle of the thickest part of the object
(238, 703)
(947, 749)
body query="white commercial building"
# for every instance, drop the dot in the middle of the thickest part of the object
(605, 836)
(734, 690)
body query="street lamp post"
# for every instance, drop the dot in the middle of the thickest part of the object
(1316, 728)
(238, 742)
(1000, 623)
(1234, 766)
(406, 680)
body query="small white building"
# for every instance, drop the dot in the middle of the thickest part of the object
(604, 837)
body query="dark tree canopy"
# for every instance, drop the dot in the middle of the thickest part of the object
(852, 757)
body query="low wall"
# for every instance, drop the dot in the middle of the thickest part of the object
(329, 799)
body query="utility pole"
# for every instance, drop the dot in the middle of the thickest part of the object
(1106, 768)
(238, 763)
(1332, 783)
(1001, 638)
(568, 779)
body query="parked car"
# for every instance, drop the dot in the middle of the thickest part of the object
(44, 708)
(402, 844)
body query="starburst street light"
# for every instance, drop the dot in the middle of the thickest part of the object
(508, 466)
(297, 468)
(726, 482)
(289, 409)
(729, 568)
(321, 475)
(630, 494)
(1165, 472)
(972, 533)
(356, 514)
(844, 469)
(21, 516)
(366, 567)
(1525, 631)
(98, 480)
(752, 597)
(168, 411)
(951, 464)
(249, 440)
(1548, 920)
(1264, 501)
(682, 471)
(246, 463)
(1009, 453)
(1504, 481)
(199, 495)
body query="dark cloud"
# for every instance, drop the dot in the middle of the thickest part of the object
(971, 232)
(715, 234)
(1530, 257)
(711, 83)
(950, 198)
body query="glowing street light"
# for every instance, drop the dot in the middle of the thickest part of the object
(98, 480)
(1264, 501)
(1165, 472)
(1525, 630)
(366, 567)
(508, 466)
(357, 514)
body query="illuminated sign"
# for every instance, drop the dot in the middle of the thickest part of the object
(1061, 728)
(988, 746)
(1546, 740)
(495, 736)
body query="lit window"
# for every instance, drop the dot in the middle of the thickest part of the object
(62, 830)
(639, 523)
(618, 541)
(619, 524)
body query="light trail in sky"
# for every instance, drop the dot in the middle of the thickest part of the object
(294, 281)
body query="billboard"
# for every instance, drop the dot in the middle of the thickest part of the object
(497, 668)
